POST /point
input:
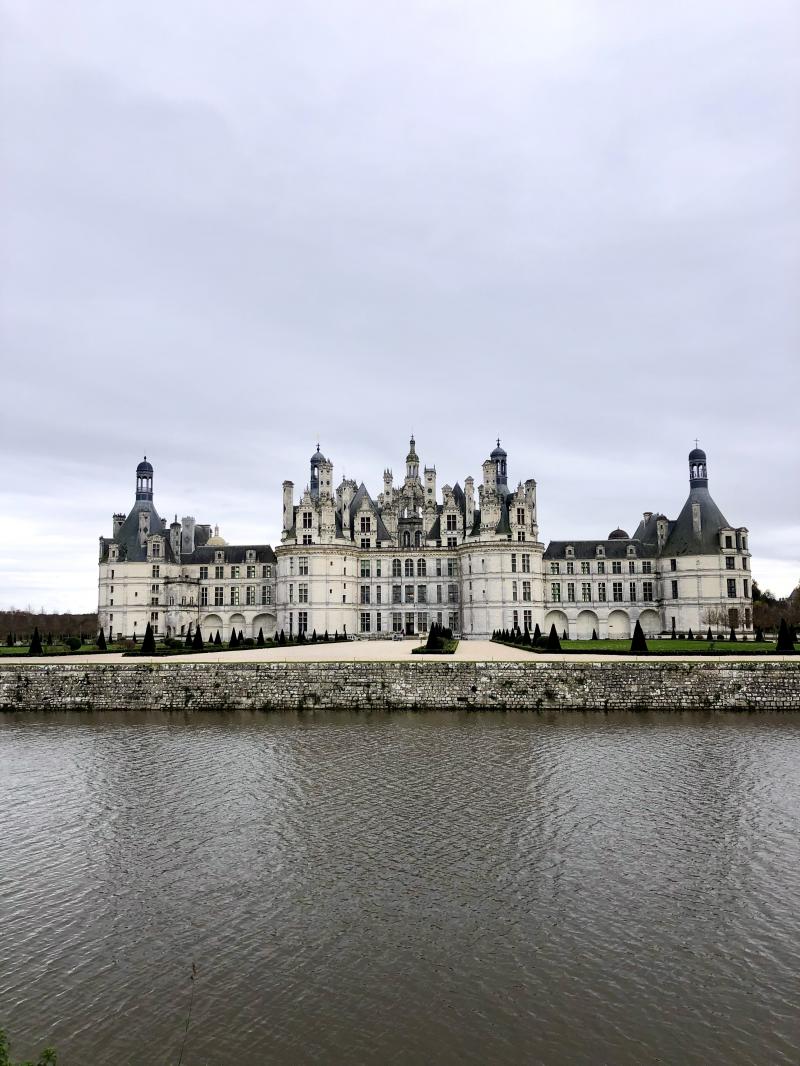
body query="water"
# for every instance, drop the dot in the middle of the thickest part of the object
(401, 888)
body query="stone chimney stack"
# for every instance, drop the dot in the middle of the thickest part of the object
(187, 534)
(469, 493)
(288, 505)
(489, 475)
(175, 537)
(117, 523)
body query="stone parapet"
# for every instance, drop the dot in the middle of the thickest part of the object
(291, 686)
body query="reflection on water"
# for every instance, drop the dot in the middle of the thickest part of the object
(401, 888)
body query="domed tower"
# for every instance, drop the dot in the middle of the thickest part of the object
(698, 470)
(499, 457)
(144, 480)
(317, 459)
(412, 462)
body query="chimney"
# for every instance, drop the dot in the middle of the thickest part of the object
(175, 537)
(117, 523)
(187, 535)
(647, 515)
(469, 493)
(288, 505)
(696, 521)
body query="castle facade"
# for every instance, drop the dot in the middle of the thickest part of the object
(414, 555)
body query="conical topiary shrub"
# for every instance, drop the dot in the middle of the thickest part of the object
(594, 634)
(260, 642)
(709, 637)
(690, 634)
(218, 639)
(325, 636)
(733, 634)
(638, 643)
(189, 642)
(565, 635)
(36, 643)
(197, 640)
(241, 637)
(282, 638)
(784, 643)
(537, 634)
(101, 641)
(149, 642)
(553, 643)
(759, 635)
(233, 643)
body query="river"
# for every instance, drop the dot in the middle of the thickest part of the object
(401, 888)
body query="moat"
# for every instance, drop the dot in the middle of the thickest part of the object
(461, 887)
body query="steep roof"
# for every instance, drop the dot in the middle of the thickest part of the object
(587, 549)
(232, 553)
(128, 535)
(682, 538)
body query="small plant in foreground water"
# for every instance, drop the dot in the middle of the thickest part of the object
(46, 1058)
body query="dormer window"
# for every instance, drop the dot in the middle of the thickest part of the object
(600, 550)
(570, 552)
(365, 523)
(156, 549)
(251, 556)
(307, 519)
(631, 550)
(219, 557)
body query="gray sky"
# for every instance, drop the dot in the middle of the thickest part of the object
(232, 228)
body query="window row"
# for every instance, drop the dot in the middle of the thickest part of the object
(249, 596)
(586, 566)
(235, 572)
(599, 593)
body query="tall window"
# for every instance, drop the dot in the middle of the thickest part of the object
(418, 539)
(302, 565)
(397, 622)
(616, 591)
(601, 567)
(266, 594)
(365, 621)
(396, 570)
(452, 568)
(234, 595)
(601, 591)
(526, 563)
(422, 594)
(571, 591)
(251, 572)
(513, 590)
(731, 588)
(730, 562)
(302, 621)
(647, 590)
(307, 519)
(746, 587)
(570, 567)
(632, 591)
(396, 594)
(422, 568)
(616, 567)
(674, 590)
(586, 591)
(156, 571)
(520, 516)
(218, 595)
(647, 567)
(266, 571)
(234, 573)
(365, 568)
(302, 593)
(365, 593)
(451, 523)
(555, 592)
(554, 566)
(378, 594)
(452, 593)
(219, 572)
(409, 594)
(438, 567)
(513, 563)
(526, 591)
(527, 619)
(365, 523)
(204, 597)
(585, 568)
(409, 567)
(673, 564)
(631, 566)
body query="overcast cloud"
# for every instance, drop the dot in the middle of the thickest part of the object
(231, 229)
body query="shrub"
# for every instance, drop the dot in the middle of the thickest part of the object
(784, 642)
(638, 643)
(690, 634)
(314, 636)
(101, 641)
(260, 642)
(73, 643)
(537, 634)
(197, 640)
(733, 635)
(149, 642)
(553, 643)
(241, 636)
(759, 634)
(9, 641)
(709, 637)
(189, 642)
(234, 641)
(36, 643)
(594, 634)
(218, 639)
(325, 636)
(282, 639)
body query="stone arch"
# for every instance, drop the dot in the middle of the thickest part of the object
(557, 619)
(619, 625)
(587, 621)
(651, 622)
(236, 622)
(209, 626)
(267, 622)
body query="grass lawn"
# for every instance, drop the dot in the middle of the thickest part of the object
(448, 649)
(662, 646)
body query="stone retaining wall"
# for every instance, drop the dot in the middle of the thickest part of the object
(608, 685)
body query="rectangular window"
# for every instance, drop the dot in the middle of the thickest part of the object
(378, 621)
(302, 593)
(631, 566)
(234, 595)
(364, 543)
(266, 571)
(219, 573)
(156, 571)
(409, 567)
(156, 549)
(520, 516)
(307, 520)
(234, 573)
(555, 592)
(452, 542)
(616, 591)
(451, 523)
(730, 562)
(204, 573)
(513, 563)
(647, 590)
(396, 594)
(554, 567)
(526, 591)
(616, 567)
(302, 621)
(251, 572)
(378, 594)
(515, 619)
(204, 597)
(365, 594)
(513, 590)
(601, 567)
(601, 591)
(377, 568)
(364, 620)
(422, 594)
(746, 587)
(409, 621)
(731, 588)
(586, 591)
(674, 590)
(453, 621)
(365, 523)
(266, 594)
(673, 564)
(571, 591)
(570, 567)
(291, 594)
(585, 569)
(438, 567)
(452, 593)
(744, 564)
(307, 539)
(527, 619)
(250, 595)
(219, 595)
(452, 568)
(632, 591)
(397, 622)
(365, 567)
(396, 568)
(409, 594)
(526, 563)
(647, 567)
(422, 622)
(729, 542)
(302, 565)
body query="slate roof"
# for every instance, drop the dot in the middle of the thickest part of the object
(232, 553)
(128, 536)
(382, 533)
(682, 539)
(587, 549)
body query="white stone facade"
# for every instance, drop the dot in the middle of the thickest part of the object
(413, 556)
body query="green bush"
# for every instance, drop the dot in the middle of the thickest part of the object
(73, 643)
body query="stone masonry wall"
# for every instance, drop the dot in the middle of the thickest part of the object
(608, 685)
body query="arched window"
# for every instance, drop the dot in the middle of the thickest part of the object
(421, 568)
(406, 539)
(396, 568)
(418, 539)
